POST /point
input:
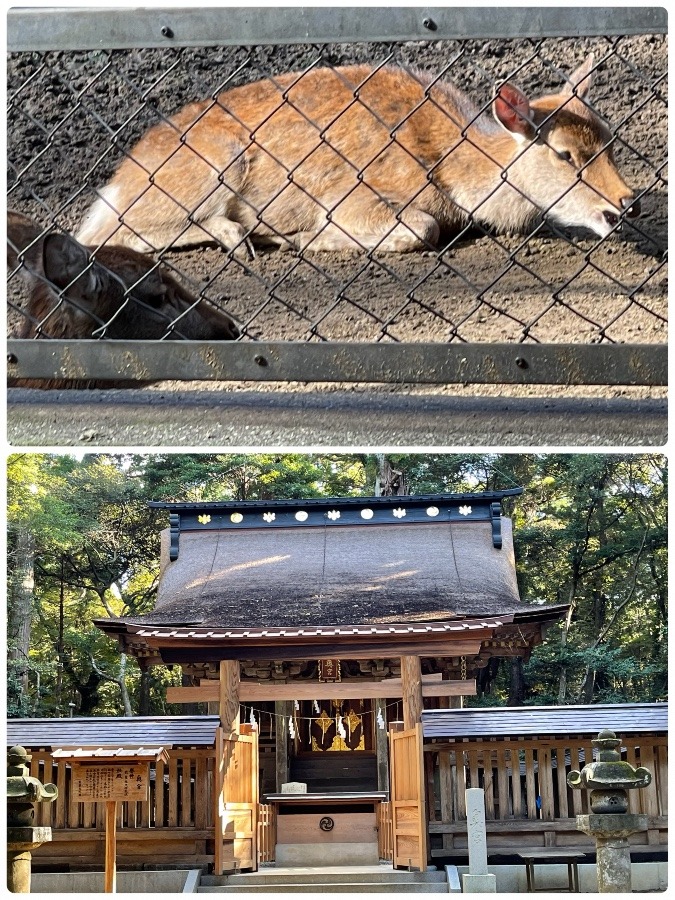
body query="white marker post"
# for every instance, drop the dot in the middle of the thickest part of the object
(478, 880)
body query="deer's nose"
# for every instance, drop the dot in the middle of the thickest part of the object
(631, 207)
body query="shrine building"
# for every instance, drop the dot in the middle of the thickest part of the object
(318, 631)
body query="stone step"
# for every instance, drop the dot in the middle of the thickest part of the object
(348, 887)
(323, 876)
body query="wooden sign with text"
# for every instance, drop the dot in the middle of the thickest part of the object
(329, 670)
(110, 775)
(106, 781)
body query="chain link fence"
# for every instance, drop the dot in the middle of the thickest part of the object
(287, 209)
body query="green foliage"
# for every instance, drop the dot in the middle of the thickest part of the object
(258, 476)
(18, 703)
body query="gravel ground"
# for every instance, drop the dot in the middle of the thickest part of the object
(550, 288)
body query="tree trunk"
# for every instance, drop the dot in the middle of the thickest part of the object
(562, 679)
(599, 610)
(21, 604)
(121, 680)
(59, 643)
(389, 481)
(588, 686)
(486, 675)
(88, 691)
(517, 683)
(144, 693)
(378, 476)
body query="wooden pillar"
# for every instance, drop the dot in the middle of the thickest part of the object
(283, 709)
(110, 878)
(447, 781)
(429, 792)
(189, 709)
(228, 702)
(381, 747)
(411, 676)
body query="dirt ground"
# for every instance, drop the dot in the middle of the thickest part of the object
(75, 113)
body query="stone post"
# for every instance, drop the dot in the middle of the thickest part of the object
(608, 779)
(23, 836)
(478, 881)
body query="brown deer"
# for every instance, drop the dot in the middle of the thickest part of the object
(112, 292)
(354, 156)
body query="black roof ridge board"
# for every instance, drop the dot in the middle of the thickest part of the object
(389, 500)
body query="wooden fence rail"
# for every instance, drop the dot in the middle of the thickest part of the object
(528, 803)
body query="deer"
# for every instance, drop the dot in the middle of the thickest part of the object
(360, 157)
(115, 292)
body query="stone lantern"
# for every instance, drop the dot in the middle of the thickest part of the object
(23, 836)
(608, 779)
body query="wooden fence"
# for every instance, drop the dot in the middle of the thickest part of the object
(385, 837)
(527, 798)
(175, 826)
(267, 831)
(528, 803)
(180, 792)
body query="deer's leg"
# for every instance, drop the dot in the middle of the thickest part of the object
(219, 229)
(413, 230)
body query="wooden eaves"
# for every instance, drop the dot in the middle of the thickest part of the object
(172, 645)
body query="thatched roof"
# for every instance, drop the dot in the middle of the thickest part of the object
(360, 574)
(230, 570)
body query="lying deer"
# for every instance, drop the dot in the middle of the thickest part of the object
(112, 292)
(351, 156)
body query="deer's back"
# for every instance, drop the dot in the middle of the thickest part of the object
(348, 112)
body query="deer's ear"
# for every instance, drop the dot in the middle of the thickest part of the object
(66, 265)
(581, 80)
(511, 109)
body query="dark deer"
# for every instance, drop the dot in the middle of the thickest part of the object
(78, 292)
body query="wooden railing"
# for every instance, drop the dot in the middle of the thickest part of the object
(178, 813)
(385, 838)
(267, 832)
(525, 782)
(527, 800)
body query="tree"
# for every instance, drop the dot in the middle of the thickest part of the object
(89, 533)
(35, 518)
(600, 526)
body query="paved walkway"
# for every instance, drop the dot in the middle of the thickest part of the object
(327, 419)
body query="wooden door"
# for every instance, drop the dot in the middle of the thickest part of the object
(408, 808)
(236, 798)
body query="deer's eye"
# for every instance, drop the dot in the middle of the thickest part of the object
(565, 155)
